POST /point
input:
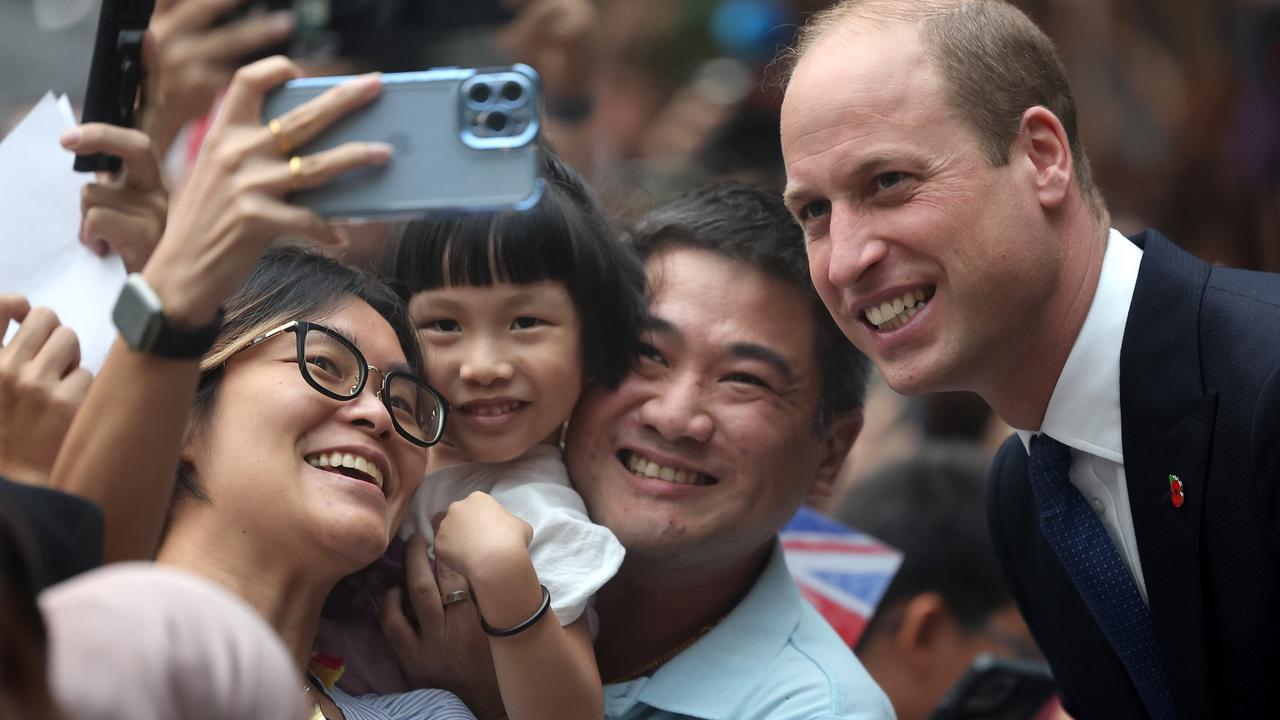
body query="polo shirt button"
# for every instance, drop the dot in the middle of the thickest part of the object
(1097, 506)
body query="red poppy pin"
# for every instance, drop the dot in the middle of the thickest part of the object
(1175, 491)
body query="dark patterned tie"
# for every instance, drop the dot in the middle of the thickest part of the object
(1081, 543)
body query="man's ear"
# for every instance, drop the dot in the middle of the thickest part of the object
(836, 441)
(924, 622)
(1043, 141)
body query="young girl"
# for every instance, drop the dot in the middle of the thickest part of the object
(516, 312)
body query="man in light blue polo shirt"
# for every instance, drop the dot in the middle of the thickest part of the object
(744, 402)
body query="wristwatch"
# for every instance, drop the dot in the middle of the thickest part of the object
(141, 322)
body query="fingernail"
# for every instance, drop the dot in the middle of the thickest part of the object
(70, 138)
(380, 151)
(373, 84)
(283, 22)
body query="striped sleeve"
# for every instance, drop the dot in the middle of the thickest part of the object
(414, 705)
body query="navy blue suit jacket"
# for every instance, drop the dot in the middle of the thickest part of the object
(1200, 399)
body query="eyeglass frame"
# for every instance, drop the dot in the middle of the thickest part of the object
(300, 328)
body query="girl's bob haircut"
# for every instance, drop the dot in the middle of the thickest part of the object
(564, 238)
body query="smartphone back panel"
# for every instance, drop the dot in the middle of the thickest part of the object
(464, 139)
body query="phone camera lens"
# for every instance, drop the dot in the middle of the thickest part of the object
(511, 91)
(479, 93)
(496, 121)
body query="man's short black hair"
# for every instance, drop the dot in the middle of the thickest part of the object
(931, 507)
(752, 225)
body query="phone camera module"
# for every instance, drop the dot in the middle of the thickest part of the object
(479, 93)
(498, 110)
(496, 121)
(512, 91)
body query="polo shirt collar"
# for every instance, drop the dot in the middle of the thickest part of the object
(726, 664)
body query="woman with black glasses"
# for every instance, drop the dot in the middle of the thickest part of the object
(291, 408)
(305, 442)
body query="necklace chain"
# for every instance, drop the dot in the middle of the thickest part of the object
(669, 655)
(318, 712)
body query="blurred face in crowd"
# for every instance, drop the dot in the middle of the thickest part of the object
(925, 253)
(710, 444)
(259, 453)
(507, 358)
(925, 652)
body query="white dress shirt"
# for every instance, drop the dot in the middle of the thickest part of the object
(1084, 411)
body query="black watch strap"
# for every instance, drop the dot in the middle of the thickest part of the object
(178, 343)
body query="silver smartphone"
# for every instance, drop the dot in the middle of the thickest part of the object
(464, 139)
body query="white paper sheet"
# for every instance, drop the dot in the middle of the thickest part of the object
(40, 255)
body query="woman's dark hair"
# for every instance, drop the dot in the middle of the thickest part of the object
(564, 238)
(289, 284)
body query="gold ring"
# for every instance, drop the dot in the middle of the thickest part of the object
(282, 140)
(456, 596)
(295, 172)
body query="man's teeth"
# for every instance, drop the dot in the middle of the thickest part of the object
(648, 468)
(894, 313)
(346, 460)
(493, 410)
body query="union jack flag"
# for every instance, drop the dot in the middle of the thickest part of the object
(841, 571)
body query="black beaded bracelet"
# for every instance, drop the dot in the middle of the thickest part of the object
(517, 629)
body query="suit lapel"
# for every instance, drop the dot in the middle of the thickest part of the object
(1166, 423)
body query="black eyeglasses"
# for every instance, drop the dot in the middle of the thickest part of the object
(337, 369)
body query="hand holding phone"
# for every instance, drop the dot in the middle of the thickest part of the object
(124, 213)
(115, 73)
(465, 139)
(233, 206)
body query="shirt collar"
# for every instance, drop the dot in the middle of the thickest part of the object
(1084, 410)
(729, 660)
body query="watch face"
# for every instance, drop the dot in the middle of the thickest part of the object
(137, 313)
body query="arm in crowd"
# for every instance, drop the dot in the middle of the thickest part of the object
(214, 235)
(560, 38)
(190, 58)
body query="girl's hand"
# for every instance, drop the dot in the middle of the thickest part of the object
(124, 213)
(233, 204)
(446, 649)
(544, 671)
(479, 537)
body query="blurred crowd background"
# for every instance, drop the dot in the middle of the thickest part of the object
(1179, 107)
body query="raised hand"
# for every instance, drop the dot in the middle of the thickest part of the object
(123, 213)
(41, 387)
(234, 204)
(189, 59)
